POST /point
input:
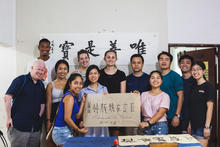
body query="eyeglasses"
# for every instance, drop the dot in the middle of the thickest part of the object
(196, 69)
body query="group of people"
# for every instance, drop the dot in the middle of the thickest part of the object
(169, 103)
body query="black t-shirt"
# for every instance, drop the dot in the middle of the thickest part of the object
(187, 84)
(112, 82)
(200, 94)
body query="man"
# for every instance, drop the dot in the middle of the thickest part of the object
(173, 85)
(44, 49)
(185, 64)
(24, 115)
(137, 81)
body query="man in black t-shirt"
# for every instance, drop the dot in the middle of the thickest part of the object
(185, 64)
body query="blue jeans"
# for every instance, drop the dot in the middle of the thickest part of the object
(159, 128)
(61, 134)
(198, 133)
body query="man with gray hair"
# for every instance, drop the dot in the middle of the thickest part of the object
(25, 103)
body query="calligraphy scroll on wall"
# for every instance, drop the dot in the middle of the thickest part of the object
(112, 110)
(66, 46)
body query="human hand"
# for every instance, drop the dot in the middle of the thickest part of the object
(189, 129)
(48, 126)
(136, 92)
(81, 124)
(206, 132)
(143, 125)
(83, 130)
(9, 123)
(84, 98)
(175, 121)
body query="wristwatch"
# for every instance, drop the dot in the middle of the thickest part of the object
(207, 127)
(177, 115)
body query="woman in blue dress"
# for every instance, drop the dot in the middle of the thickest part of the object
(69, 111)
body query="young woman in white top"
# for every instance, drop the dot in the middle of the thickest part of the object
(54, 91)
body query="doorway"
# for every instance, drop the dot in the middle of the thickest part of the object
(208, 54)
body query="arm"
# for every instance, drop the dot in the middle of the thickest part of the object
(82, 105)
(48, 101)
(208, 118)
(176, 121)
(123, 86)
(42, 107)
(7, 100)
(48, 105)
(155, 118)
(68, 106)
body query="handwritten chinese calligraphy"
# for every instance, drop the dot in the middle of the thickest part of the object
(90, 49)
(146, 140)
(140, 47)
(112, 110)
(113, 46)
(66, 46)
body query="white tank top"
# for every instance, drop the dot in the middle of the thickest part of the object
(57, 94)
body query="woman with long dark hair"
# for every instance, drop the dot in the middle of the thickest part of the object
(69, 111)
(54, 91)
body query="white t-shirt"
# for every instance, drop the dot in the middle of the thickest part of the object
(50, 65)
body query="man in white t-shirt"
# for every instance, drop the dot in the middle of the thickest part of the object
(44, 49)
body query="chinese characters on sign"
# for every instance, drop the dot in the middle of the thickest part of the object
(112, 110)
(145, 140)
(66, 46)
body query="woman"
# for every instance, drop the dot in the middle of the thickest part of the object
(201, 105)
(54, 91)
(154, 105)
(69, 111)
(92, 86)
(115, 81)
(83, 60)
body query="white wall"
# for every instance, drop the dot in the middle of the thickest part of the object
(7, 22)
(7, 53)
(85, 16)
(193, 21)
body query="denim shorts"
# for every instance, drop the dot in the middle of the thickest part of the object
(61, 134)
(159, 128)
(198, 133)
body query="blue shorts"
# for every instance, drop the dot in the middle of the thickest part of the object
(61, 134)
(199, 133)
(159, 128)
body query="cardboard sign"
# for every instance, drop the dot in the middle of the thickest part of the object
(112, 110)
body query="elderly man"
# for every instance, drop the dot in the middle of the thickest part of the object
(24, 103)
